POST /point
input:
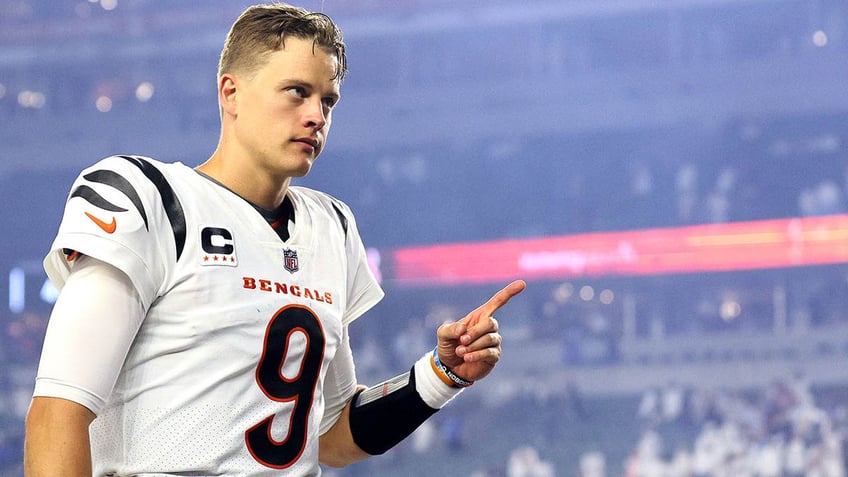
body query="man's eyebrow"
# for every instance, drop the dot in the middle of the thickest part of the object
(293, 82)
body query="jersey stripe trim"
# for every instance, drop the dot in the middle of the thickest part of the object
(113, 179)
(173, 208)
(342, 217)
(92, 197)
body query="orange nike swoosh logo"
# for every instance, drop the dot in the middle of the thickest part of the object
(109, 228)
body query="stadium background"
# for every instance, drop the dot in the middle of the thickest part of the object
(670, 177)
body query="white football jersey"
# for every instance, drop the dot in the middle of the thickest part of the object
(226, 373)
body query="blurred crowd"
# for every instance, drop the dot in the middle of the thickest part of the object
(783, 430)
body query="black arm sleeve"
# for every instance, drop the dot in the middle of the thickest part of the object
(384, 415)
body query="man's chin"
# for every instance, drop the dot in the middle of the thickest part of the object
(303, 170)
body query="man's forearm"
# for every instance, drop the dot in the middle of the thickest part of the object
(57, 440)
(337, 448)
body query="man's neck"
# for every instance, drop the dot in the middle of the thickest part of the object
(255, 186)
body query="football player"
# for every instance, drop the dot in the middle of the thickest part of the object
(202, 324)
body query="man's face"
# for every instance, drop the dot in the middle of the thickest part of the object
(284, 111)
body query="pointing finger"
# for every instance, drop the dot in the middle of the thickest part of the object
(501, 298)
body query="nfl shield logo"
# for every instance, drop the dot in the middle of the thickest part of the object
(290, 260)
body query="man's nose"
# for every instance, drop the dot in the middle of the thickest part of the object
(314, 117)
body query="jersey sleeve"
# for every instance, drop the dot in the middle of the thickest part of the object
(123, 212)
(363, 289)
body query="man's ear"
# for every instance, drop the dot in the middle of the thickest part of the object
(227, 94)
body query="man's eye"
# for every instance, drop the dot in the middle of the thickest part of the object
(296, 91)
(330, 102)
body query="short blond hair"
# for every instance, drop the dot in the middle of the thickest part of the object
(262, 29)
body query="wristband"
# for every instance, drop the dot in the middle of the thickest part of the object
(444, 371)
(431, 384)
